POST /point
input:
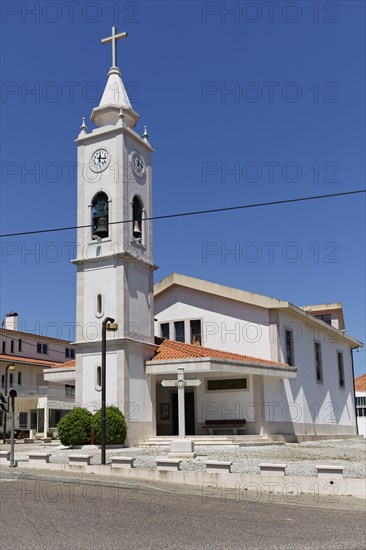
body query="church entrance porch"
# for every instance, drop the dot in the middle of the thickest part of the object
(167, 411)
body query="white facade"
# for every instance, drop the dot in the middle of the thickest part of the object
(301, 405)
(39, 403)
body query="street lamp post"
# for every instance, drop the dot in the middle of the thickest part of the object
(12, 396)
(107, 324)
(12, 368)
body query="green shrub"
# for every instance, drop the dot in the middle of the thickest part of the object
(50, 433)
(116, 428)
(74, 428)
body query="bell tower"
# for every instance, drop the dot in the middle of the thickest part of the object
(114, 257)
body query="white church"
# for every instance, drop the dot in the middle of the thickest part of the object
(252, 365)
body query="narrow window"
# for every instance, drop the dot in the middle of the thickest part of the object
(196, 332)
(179, 331)
(72, 354)
(137, 219)
(33, 419)
(20, 345)
(318, 362)
(99, 304)
(289, 348)
(164, 328)
(99, 377)
(11, 379)
(45, 349)
(100, 216)
(340, 369)
(67, 352)
(39, 348)
(2, 380)
(4, 346)
(19, 378)
(12, 346)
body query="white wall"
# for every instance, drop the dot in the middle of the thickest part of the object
(227, 324)
(324, 403)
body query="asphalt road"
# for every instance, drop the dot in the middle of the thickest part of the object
(63, 513)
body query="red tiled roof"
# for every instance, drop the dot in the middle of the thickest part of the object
(68, 365)
(170, 350)
(360, 383)
(10, 332)
(19, 359)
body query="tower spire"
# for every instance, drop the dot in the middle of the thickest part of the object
(115, 95)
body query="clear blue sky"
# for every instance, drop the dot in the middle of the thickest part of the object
(294, 126)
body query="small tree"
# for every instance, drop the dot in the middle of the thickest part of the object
(116, 428)
(74, 428)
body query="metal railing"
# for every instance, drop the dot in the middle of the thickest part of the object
(44, 390)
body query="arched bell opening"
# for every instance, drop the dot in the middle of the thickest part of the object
(137, 210)
(100, 216)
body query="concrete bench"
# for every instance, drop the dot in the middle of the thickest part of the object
(168, 464)
(4, 457)
(272, 469)
(123, 461)
(327, 470)
(227, 425)
(80, 460)
(28, 440)
(47, 440)
(218, 466)
(39, 457)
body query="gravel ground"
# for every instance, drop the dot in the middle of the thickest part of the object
(300, 458)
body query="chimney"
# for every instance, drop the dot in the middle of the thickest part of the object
(11, 321)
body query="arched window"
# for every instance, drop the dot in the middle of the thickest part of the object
(100, 214)
(98, 384)
(99, 305)
(137, 218)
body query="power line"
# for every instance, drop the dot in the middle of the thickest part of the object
(192, 213)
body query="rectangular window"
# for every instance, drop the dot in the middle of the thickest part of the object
(11, 346)
(70, 353)
(2, 380)
(318, 362)
(42, 348)
(195, 332)
(340, 369)
(164, 330)
(19, 378)
(23, 420)
(179, 331)
(228, 384)
(11, 379)
(19, 345)
(3, 347)
(55, 416)
(289, 348)
(69, 390)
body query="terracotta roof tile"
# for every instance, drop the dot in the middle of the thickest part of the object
(170, 350)
(20, 359)
(68, 365)
(360, 383)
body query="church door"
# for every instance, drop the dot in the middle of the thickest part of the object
(189, 413)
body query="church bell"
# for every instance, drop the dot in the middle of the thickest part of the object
(137, 230)
(102, 228)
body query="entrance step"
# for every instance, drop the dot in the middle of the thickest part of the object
(232, 441)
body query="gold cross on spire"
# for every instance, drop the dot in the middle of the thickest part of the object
(114, 39)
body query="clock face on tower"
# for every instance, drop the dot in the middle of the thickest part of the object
(100, 160)
(138, 164)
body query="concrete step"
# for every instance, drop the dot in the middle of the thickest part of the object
(233, 441)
